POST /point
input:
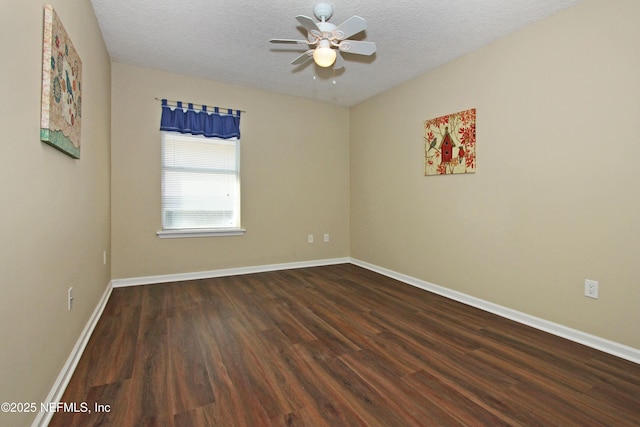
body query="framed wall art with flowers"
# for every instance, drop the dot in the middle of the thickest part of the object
(60, 117)
(450, 144)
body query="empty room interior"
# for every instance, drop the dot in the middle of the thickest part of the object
(353, 288)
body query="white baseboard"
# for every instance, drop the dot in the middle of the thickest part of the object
(602, 344)
(55, 395)
(150, 280)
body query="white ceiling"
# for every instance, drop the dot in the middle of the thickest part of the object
(228, 41)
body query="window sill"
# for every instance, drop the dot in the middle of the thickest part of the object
(200, 232)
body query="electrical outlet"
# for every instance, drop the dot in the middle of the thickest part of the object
(326, 237)
(591, 288)
(310, 238)
(70, 298)
(104, 257)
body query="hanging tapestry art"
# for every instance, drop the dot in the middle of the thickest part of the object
(450, 144)
(60, 116)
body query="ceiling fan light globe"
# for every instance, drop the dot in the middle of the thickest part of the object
(324, 56)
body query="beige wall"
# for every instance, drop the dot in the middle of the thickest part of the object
(555, 198)
(295, 175)
(55, 209)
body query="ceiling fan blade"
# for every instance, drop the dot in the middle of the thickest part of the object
(357, 47)
(310, 25)
(350, 27)
(339, 62)
(303, 58)
(290, 41)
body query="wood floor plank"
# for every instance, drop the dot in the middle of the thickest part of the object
(192, 388)
(256, 364)
(465, 410)
(321, 329)
(334, 346)
(284, 320)
(399, 396)
(250, 392)
(103, 405)
(245, 306)
(301, 417)
(353, 327)
(366, 402)
(200, 416)
(233, 405)
(320, 401)
(150, 400)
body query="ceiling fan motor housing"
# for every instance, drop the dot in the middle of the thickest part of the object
(327, 30)
(323, 11)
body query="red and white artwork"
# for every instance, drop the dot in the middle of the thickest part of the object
(450, 144)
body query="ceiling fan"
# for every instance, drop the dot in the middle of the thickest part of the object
(326, 41)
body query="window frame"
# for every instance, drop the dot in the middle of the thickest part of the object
(194, 231)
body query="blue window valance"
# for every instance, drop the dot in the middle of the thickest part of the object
(212, 124)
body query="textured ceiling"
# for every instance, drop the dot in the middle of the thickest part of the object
(228, 41)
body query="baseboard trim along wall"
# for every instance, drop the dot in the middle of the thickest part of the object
(59, 386)
(607, 346)
(150, 280)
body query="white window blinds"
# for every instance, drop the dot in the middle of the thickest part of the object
(200, 182)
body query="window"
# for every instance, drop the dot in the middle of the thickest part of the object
(200, 185)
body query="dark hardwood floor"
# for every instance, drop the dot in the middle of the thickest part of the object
(334, 346)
